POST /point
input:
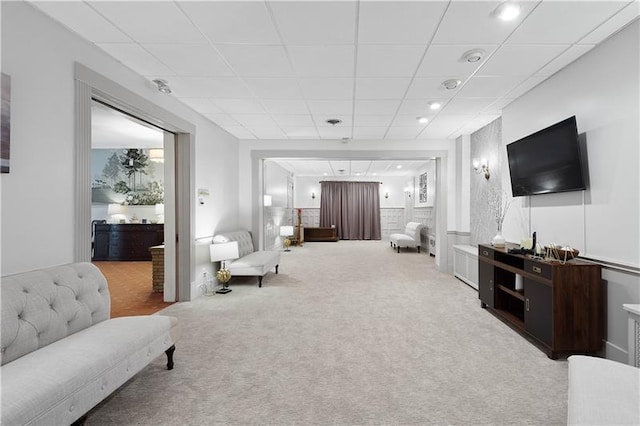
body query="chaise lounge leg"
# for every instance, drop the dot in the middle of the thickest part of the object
(259, 281)
(398, 249)
(418, 249)
(277, 268)
(80, 421)
(169, 353)
(391, 243)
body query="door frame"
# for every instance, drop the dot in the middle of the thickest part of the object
(92, 85)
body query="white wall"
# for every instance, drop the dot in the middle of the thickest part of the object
(602, 90)
(38, 194)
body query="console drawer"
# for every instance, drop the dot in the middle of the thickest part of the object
(536, 268)
(486, 252)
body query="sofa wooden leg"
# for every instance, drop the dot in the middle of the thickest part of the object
(418, 249)
(259, 281)
(169, 353)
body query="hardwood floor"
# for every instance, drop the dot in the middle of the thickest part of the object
(131, 289)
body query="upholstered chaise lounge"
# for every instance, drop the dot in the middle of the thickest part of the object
(61, 354)
(251, 263)
(410, 237)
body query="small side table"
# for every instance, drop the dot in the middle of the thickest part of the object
(633, 330)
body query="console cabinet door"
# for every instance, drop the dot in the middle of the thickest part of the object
(537, 310)
(485, 283)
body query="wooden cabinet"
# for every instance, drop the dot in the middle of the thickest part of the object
(126, 241)
(560, 306)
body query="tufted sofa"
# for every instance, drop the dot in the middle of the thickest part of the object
(61, 354)
(250, 263)
(410, 237)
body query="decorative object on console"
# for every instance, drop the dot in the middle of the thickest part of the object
(221, 252)
(500, 206)
(287, 232)
(561, 253)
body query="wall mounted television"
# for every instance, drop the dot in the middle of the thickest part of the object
(547, 161)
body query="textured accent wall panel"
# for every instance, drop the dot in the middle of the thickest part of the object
(311, 218)
(391, 221)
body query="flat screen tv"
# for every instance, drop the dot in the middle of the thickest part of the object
(547, 161)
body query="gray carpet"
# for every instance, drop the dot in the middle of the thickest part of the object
(347, 333)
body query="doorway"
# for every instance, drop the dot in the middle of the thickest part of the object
(128, 175)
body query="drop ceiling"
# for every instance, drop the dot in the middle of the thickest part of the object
(280, 69)
(358, 169)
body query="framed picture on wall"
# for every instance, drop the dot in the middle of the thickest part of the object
(425, 188)
(422, 189)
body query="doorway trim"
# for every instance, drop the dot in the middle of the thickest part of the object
(92, 85)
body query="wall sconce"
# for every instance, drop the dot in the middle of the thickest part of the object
(267, 200)
(386, 195)
(481, 166)
(408, 191)
(313, 195)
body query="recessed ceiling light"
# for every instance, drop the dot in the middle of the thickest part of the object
(434, 105)
(422, 120)
(325, 174)
(474, 55)
(357, 173)
(451, 83)
(399, 166)
(375, 174)
(163, 85)
(507, 11)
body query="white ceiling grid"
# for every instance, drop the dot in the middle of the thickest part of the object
(280, 69)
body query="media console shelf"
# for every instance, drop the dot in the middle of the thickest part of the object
(559, 307)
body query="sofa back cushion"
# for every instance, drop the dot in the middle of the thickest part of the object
(413, 230)
(43, 306)
(245, 243)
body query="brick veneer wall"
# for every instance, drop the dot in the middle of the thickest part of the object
(157, 259)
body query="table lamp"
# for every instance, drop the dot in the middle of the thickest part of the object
(286, 231)
(221, 252)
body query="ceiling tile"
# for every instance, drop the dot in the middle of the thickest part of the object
(444, 125)
(256, 61)
(495, 87)
(430, 89)
(334, 132)
(83, 20)
(285, 106)
(415, 107)
(210, 87)
(498, 106)
(267, 132)
(383, 22)
(274, 88)
(376, 107)
(563, 21)
(446, 61)
(136, 58)
(409, 132)
(190, 59)
(520, 60)
(568, 56)
(322, 61)
(251, 120)
(361, 120)
(434, 133)
(287, 120)
(619, 20)
(470, 22)
(466, 105)
(409, 120)
(169, 24)
(330, 107)
(327, 88)
(369, 132)
(315, 22)
(301, 132)
(222, 119)
(202, 105)
(239, 132)
(388, 61)
(381, 88)
(233, 21)
(239, 106)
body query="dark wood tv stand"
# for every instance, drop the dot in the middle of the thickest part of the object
(559, 308)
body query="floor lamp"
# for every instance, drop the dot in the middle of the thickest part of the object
(286, 232)
(222, 252)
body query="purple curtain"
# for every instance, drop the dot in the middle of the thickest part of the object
(353, 207)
